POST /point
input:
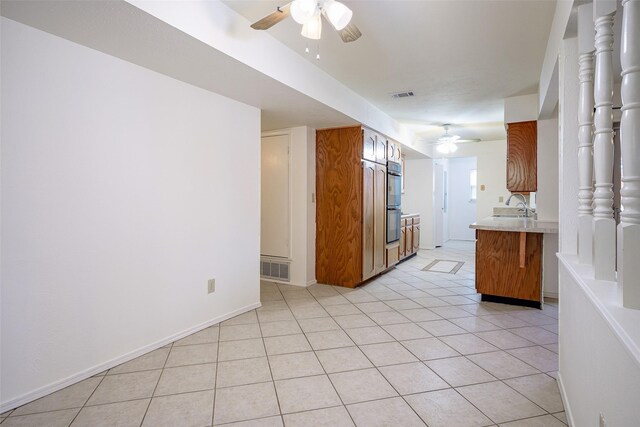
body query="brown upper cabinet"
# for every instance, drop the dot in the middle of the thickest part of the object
(381, 149)
(393, 151)
(369, 138)
(522, 161)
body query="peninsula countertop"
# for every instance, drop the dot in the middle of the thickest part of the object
(528, 225)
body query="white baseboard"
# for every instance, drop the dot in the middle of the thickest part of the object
(551, 294)
(565, 402)
(87, 373)
(301, 285)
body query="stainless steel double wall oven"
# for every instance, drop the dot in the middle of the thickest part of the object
(394, 202)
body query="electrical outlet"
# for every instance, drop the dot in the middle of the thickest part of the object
(211, 285)
(500, 199)
(603, 422)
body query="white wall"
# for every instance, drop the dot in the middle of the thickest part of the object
(548, 167)
(547, 200)
(302, 209)
(568, 148)
(462, 210)
(123, 191)
(521, 108)
(418, 197)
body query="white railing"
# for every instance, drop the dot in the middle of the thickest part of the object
(597, 244)
(629, 228)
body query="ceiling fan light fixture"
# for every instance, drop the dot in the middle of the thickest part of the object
(313, 28)
(337, 13)
(302, 11)
(447, 147)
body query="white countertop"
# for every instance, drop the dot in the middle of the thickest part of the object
(528, 225)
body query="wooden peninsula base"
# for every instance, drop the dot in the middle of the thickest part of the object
(509, 267)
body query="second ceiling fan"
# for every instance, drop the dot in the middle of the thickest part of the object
(309, 14)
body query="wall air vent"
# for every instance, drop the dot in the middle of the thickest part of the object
(274, 270)
(405, 94)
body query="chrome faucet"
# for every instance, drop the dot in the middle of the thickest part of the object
(523, 203)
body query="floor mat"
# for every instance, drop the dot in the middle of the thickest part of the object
(444, 266)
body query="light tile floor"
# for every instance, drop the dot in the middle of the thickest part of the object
(409, 348)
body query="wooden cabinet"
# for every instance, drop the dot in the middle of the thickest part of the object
(522, 160)
(409, 236)
(381, 149)
(373, 219)
(369, 144)
(368, 220)
(350, 205)
(393, 151)
(509, 264)
(380, 218)
(403, 240)
(393, 254)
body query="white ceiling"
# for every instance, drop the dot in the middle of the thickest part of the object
(460, 57)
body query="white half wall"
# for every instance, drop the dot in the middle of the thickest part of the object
(418, 197)
(123, 192)
(599, 350)
(462, 210)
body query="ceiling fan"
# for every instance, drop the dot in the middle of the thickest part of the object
(309, 13)
(448, 143)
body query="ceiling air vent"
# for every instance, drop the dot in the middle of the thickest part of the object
(405, 94)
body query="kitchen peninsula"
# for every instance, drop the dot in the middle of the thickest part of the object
(509, 259)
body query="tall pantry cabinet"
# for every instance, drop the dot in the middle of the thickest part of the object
(351, 178)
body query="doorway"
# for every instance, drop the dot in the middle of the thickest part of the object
(455, 198)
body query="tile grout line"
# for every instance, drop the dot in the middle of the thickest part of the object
(318, 359)
(157, 382)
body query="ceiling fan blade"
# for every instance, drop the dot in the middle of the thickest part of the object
(272, 19)
(350, 33)
(459, 141)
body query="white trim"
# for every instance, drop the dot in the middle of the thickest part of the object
(565, 401)
(87, 373)
(280, 282)
(547, 294)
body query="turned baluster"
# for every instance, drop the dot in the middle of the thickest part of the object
(604, 226)
(629, 228)
(585, 133)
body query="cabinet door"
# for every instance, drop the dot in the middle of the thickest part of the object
(381, 149)
(522, 161)
(398, 154)
(409, 243)
(368, 219)
(391, 150)
(368, 145)
(380, 215)
(416, 237)
(403, 238)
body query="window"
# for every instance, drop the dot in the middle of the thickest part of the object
(473, 183)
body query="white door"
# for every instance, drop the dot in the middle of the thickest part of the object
(274, 220)
(438, 204)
